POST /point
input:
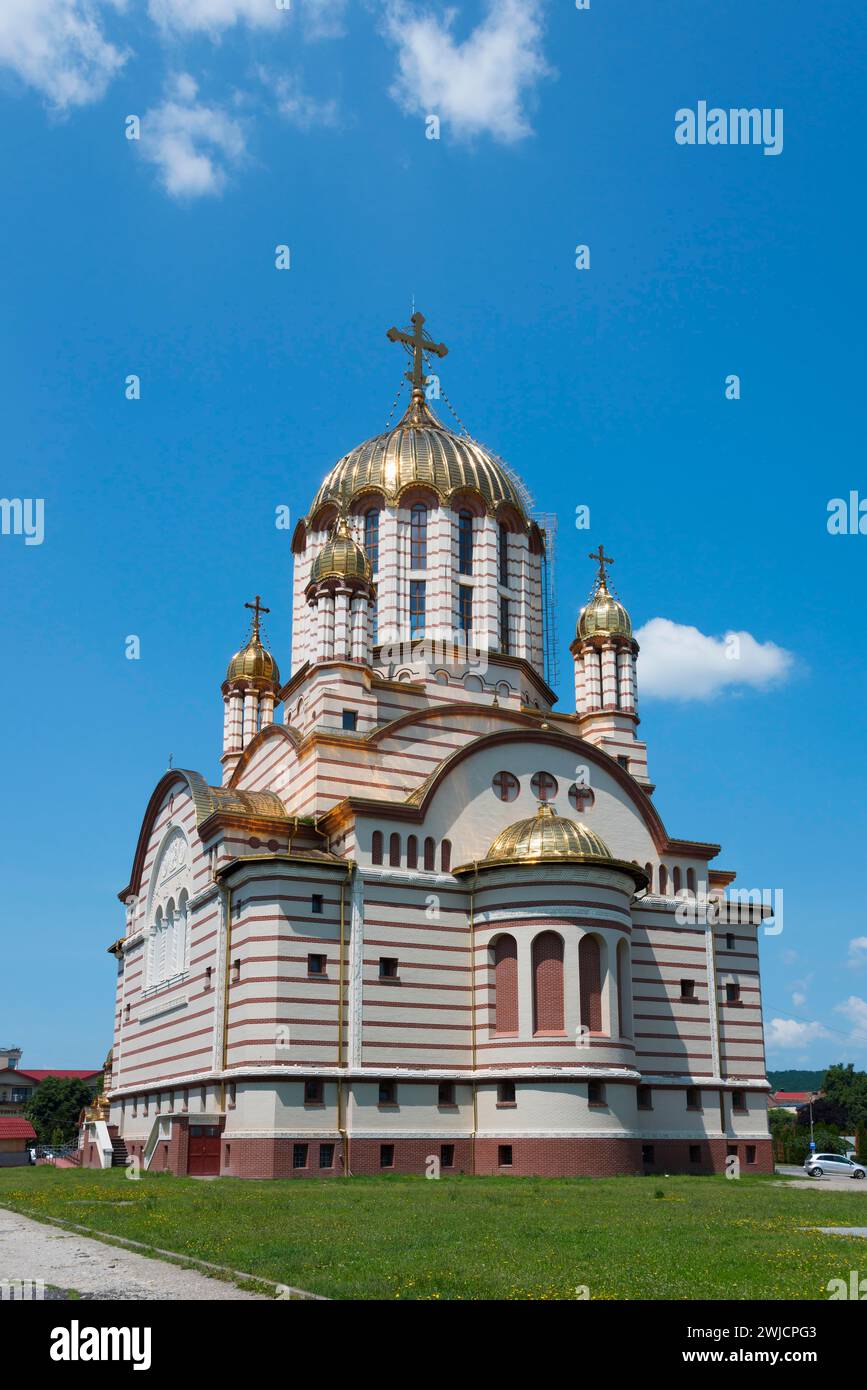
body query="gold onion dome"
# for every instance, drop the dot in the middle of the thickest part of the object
(419, 451)
(547, 836)
(604, 616)
(254, 662)
(340, 557)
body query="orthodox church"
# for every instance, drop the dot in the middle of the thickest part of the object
(426, 923)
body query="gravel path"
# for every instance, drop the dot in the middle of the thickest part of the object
(67, 1260)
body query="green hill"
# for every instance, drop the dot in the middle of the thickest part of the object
(796, 1080)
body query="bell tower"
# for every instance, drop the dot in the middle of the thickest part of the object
(250, 691)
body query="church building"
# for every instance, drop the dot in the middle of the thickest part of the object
(424, 922)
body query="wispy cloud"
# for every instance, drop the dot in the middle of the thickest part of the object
(61, 50)
(788, 1033)
(214, 16)
(296, 105)
(857, 952)
(480, 85)
(191, 144)
(678, 662)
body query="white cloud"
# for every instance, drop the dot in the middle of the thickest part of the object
(190, 143)
(212, 16)
(857, 952)
(59, 48)
(789, 1033)
(480, 85)
(799, 1000)
(855, 1009)
(322, 19)
(295, 104)
(678, 662)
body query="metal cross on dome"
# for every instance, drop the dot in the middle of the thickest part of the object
(417, 343)
(602, 560)
(257, 608)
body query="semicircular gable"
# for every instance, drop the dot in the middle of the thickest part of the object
(269, 732)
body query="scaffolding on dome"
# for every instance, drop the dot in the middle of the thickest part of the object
(547, 523)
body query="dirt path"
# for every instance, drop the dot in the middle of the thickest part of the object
(67, 1260)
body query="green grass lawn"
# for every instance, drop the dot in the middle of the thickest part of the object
(513, 1238)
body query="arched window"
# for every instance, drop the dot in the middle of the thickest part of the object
(505, 985)
(505, 626)
(412, 852)
(465, 541)
(623, 986)
(181, 929)
(503, 554)
(663, 879)
(376, 847)
(446, 856)
(418, 536)
(429, 853)
(543, 786)
(548, 983)
(676, 877)
(648, 869)
(690, 881)
(590, 983)
(371, 537)
(506, 786)
(394, 850)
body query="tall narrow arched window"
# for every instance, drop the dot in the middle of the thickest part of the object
(418, 536)
(690, 881)
(429, 854)
(465, 608)
(676, 877)
(648, 869)
(548, 983)
(371, 537)
(505, 626)
(465, 541)
(624, 988)
(446, 856)
(503, 554)
(663, 879)
(411, 852)
(590, 983)
(181, 932)
(376, 847)
(394, 850)
(505, 955)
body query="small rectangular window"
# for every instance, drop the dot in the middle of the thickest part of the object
(388, 1093)
(645, 1098)
(733, 993)
(506, 1093)
(232, 1095)
(447, 1155)
(299, 1155)
(388, 967)
(504, 1155)
(596, 1092)
(314, 1093)
(316, 902)
(687, 989)
(623, 760)
(209, 971)
(695, 1153)
(730, 941)
(386, 1155)
(416, 607)
(693, 1098)
(751, 1153)
(326, 1155)
(446, 1093)
(350, 720)
(236, 972)
(647, 1153)
(739, 1101)
(316, 965)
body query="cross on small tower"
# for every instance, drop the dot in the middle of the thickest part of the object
(257, 608)
(417, 344)
(602, 560)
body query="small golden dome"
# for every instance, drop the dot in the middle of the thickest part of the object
(419, 450)
(254, 663)
(604, 616)
(340, 558)
(547, 836)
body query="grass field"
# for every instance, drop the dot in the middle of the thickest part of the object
(502, 1238)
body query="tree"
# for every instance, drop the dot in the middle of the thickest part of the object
(861, 1143)
(825, 1112)
(846, 1087)
(56, 1105)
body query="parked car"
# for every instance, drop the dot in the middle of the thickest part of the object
(834, 1165)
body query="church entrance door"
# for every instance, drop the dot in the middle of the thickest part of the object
(203, 1154)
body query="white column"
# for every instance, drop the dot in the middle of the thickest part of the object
(227, 725)
(579, 682)
(236, 721)
(251, 715)
(609, 676)
(360, 626)
(624, 677)
(266, 709)
(592, 680)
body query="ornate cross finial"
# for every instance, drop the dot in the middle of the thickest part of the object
(257, 608)
(602, 560)
(417, 343)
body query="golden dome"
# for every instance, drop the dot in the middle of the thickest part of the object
(340, 557)
(254, 663)
(547, 836)
(419, 450)
(604, 616)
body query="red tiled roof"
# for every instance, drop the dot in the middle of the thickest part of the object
(63, 1075)
(798, 1097)
(16, 1127)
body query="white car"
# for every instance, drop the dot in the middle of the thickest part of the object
(835, 1165)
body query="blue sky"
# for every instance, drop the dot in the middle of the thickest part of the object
(603, 387)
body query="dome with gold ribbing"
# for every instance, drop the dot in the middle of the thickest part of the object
(420, 451)
(603, 615)
(254, 663)
(340, 557)
(547, 838)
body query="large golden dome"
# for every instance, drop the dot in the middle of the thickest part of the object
(340, 558)
(547, 836)
(604, 616)
(419, 450)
